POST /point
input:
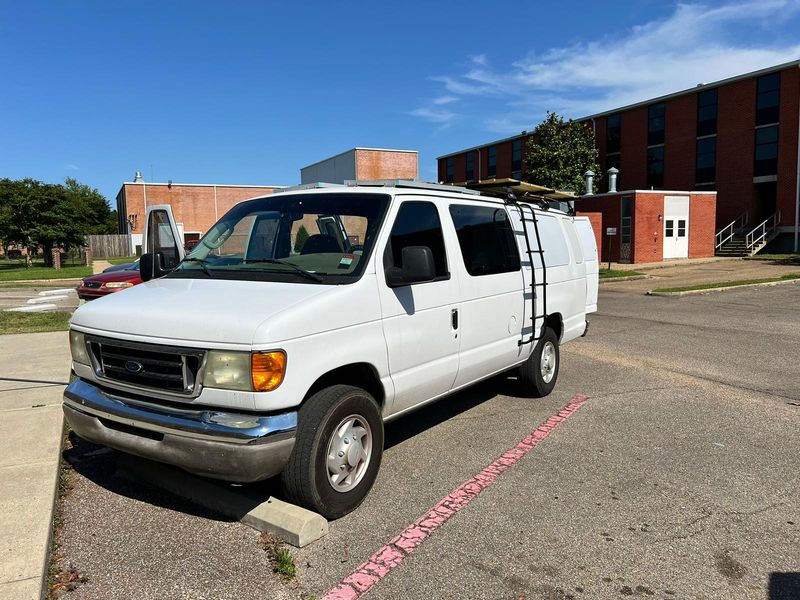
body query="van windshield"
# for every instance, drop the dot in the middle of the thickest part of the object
(302, 238)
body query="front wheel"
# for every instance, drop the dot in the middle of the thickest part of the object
(337, 451)
(539, 373)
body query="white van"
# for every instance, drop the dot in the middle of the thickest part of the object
(305, 320)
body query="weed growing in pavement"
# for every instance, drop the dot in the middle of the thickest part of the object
(280, 558)
(59, 579)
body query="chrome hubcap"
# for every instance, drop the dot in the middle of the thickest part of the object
(349, 452)
(548, 362)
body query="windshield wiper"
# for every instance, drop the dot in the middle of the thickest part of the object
(201, 262)
(296, 269)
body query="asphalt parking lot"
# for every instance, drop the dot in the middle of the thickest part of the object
(678, 478)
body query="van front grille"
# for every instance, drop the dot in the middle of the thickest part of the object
(151, 366)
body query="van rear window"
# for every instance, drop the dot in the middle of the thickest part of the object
(486, 239)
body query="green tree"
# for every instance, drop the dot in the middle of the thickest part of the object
(559, 153)
(41, 215)
(300, 238)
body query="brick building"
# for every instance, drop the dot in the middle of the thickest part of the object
(363, 164)
(651, 225)
(737, 136)
(196, 206)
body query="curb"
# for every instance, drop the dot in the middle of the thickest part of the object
(722, 289)
(628, 278)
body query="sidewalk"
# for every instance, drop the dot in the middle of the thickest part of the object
(687, 273)
(33, 370)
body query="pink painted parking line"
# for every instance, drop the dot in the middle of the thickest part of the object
(377, 566)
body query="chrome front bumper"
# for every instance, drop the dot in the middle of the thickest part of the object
(231, 446)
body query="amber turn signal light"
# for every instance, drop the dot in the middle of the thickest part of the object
(267, 369)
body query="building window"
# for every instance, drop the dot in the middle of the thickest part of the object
(766, 162)
(655, 167)
(707, 113)
(470, 166)
(491, 161)
(655, 124)
(768, 99)
(448, 178)
(417, 224)
(486, 239)
(613, 133)
(706, 164)
(516, 159)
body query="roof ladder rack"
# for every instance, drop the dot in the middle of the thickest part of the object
(533, 338)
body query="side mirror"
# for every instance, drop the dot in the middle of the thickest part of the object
(418, 267)
(151, 266)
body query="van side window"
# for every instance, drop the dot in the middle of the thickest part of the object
(417, 224)
(486, 239)
(553, 242)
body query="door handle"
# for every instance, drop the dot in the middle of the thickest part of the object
(454, 316)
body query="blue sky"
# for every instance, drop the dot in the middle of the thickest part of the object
(249, 92)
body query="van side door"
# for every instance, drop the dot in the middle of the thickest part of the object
(420, 321)
(492, 301)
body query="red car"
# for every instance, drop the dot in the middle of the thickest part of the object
(103, 284)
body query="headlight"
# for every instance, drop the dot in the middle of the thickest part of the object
(118, 285)
(227, 370)
(77, 346)
(259, 371)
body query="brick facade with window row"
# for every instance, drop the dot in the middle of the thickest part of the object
(738, 137)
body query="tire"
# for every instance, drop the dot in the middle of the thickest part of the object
(536, 378)
(346, 413)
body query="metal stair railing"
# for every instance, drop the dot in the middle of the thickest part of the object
(761, 232)
(727, 232)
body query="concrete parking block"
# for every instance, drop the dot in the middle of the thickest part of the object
(297, 526)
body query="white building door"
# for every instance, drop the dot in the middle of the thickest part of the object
(676, 227)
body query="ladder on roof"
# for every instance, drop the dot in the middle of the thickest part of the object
(539, 252)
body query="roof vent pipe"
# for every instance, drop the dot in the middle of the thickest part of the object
(589, 179)
(612, 179)
(138, 177)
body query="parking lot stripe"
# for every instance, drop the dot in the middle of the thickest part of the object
(377, 566)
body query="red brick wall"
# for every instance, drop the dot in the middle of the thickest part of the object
(191, 205)
(681, 148)
(702, 225)
(648, 240)
(736, 105)
(608, 206)
(633, 158)
(596, 219)
(386, 164)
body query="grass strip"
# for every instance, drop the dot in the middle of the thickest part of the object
(21, 273)
(19, 322)
(720, 284)
(118, 260)
(784, 259)
(612, 273)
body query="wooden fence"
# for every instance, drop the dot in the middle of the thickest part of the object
(104, 246)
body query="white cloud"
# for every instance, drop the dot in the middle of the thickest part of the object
(444, 100)
(71, 167)
(696, 43)
(442, 116)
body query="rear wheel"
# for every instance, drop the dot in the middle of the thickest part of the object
(539, 373)
(337, 451)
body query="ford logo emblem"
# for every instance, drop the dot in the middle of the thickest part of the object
(133, 367)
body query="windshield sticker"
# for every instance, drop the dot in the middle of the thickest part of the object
(346, 261)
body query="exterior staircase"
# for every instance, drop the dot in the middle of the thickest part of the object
(736, 245)
(737, 239)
